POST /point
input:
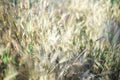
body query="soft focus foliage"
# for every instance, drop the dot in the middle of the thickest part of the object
(47, 39)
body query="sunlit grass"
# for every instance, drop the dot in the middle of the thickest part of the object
(46, 39)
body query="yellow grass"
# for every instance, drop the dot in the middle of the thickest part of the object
(38, 42)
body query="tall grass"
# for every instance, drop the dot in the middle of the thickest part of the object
(45, 39)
